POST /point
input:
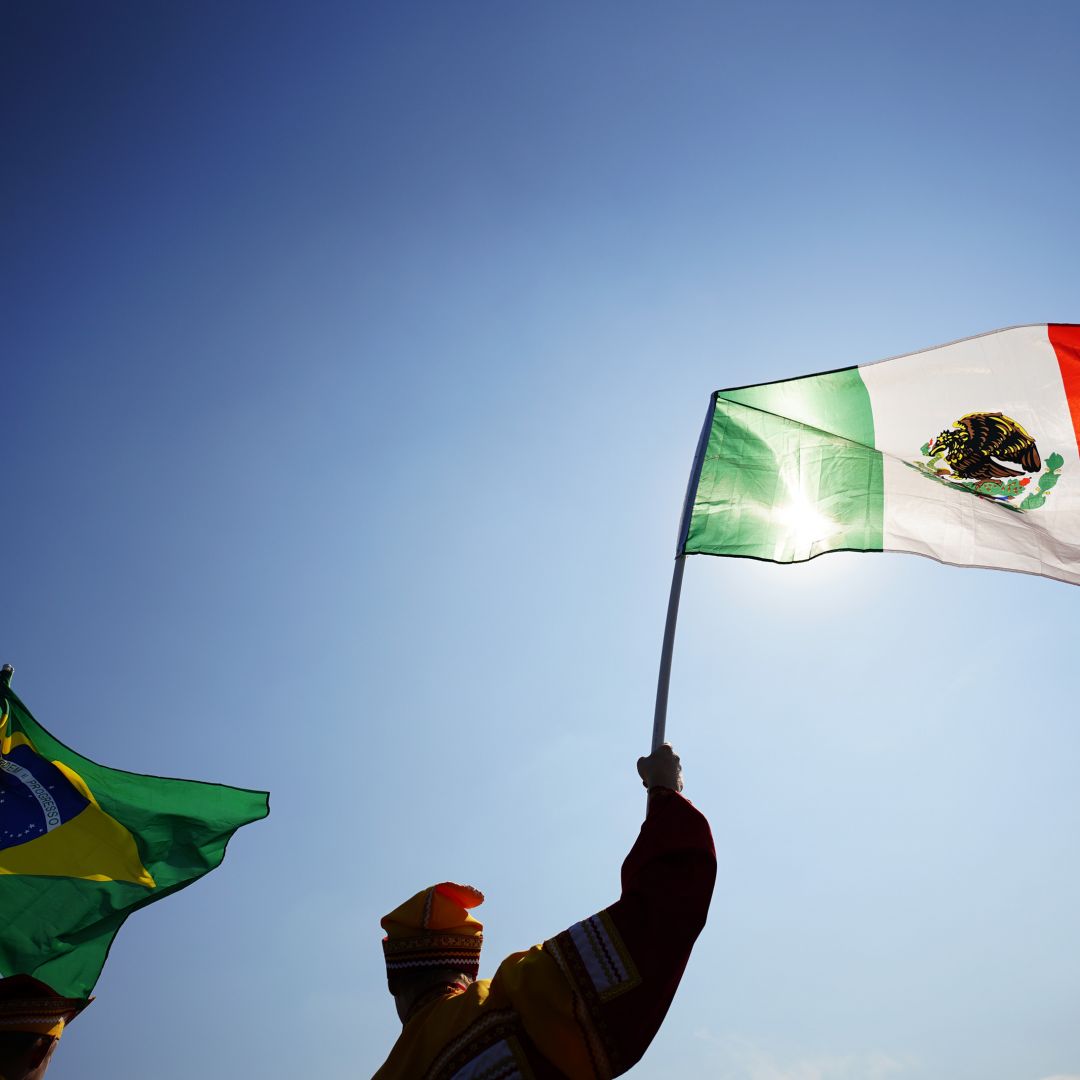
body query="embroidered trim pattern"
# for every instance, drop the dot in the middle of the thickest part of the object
(589, 1021)
(438, 950)
(606, 958)
(466, 1058)
(39, 1010)
(14, 1022)
(429, 941)
(498, 1062)
(598, 966)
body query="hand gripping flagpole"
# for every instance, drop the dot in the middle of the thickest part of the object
(664, 678)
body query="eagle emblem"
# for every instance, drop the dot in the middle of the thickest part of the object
(993, 456)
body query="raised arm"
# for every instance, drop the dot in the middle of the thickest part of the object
(587, 1003)
(624, 963)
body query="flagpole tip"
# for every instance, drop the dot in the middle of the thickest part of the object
(5, 675)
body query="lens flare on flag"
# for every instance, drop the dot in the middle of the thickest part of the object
(967, 453)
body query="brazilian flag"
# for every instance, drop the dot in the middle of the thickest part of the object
(83, 846)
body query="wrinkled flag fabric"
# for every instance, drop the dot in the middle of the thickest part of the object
(82, 846)
(966, 453)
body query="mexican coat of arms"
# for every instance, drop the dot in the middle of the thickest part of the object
(991, 455)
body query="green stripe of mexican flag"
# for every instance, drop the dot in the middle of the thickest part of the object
(966, 453)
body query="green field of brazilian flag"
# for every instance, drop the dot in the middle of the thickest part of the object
(966, 453)
(82, 846)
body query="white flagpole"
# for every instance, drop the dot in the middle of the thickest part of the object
(664, 678)
(660, 713)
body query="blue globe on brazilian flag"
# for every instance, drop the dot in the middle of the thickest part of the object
(82, 846)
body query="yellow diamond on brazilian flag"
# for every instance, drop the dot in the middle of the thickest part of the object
(82, 846)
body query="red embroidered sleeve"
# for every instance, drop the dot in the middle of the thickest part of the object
(624, 964)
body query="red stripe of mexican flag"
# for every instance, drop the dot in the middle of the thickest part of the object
(1066, 342)
(967, 453)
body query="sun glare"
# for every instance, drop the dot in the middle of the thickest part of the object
(804, 524)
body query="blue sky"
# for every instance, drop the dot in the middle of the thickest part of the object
(355, 358)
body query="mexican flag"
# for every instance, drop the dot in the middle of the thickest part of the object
(966, 453)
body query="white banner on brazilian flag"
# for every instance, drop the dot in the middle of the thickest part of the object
(966, 453)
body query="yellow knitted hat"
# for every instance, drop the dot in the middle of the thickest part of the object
(29, 1005)
(434, 929)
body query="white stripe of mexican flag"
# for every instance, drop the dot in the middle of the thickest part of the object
(966, 453)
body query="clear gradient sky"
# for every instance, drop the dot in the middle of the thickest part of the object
(354, 359)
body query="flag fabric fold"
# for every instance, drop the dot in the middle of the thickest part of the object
(82, 846)
(967, 453)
